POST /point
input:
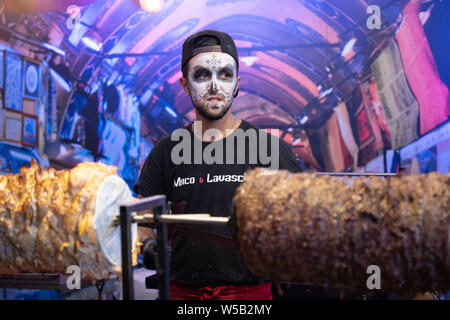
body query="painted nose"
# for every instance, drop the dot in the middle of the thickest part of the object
(213, 87)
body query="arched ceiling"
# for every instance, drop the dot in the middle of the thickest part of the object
(287, 49)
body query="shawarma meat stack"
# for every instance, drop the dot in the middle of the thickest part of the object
(52, 219)
(329, 230)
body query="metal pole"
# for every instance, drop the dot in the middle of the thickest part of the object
(163, 267)
(127, 265)
(356, 174)
(183, 218)
(126, 219)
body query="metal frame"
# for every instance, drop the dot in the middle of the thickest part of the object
(160, 218)
(158, 204)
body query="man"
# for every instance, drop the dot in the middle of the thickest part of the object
(204, 169)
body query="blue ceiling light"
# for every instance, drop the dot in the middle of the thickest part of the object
(92, 44)
(60, 80)
(324, 93)
(64, 83)
(145, 98)
(152, 6)
(54, 49)
(304, 119)
(172, 112)
(349, 46)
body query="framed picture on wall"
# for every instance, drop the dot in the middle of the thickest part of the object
(1, 115)
(29, 107)
(30, 136)
(31, 79)
(363, 127)
(13, 81)
(2, 69)
(12, 126)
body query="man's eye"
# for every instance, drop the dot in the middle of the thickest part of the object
(225, 75)
(202, 75)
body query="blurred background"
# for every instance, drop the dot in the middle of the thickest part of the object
(351, 85)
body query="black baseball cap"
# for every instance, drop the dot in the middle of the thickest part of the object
(208, 41)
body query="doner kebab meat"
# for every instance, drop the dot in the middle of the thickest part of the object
(328, 230)
(51, 219)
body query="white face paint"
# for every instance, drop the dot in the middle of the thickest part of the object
(212, 80)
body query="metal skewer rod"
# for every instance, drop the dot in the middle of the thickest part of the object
(357, 174)
(184, 218)
(178, 218)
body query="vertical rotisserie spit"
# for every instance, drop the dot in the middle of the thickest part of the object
(328, 230)
(51, 219)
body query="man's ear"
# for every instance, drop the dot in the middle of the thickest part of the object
(236, 91)
(184, 84)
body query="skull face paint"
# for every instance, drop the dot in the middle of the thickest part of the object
(212, 81)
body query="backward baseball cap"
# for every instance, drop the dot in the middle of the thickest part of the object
(200, 42)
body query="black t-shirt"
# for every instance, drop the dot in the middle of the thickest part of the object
(208, 188)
